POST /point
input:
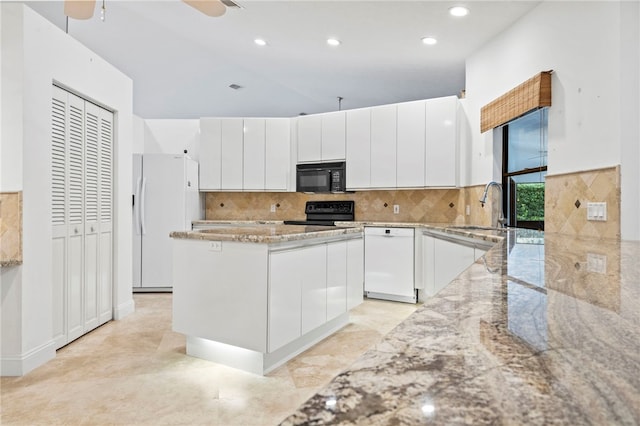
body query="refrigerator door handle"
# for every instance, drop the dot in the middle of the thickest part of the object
(136, 206)
(142, 200)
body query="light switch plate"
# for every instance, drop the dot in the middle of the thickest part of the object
(597, 211)
(596, 263)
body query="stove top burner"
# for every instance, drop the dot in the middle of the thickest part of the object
(326, 213)
(310, 222)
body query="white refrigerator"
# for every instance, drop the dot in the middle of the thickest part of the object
(165, 199)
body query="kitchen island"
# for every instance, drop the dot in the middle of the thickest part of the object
(252, 297)
(543, 329)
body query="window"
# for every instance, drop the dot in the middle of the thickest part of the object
(524, 167)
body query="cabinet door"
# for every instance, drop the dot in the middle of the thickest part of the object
(231, 153)
(383, 146)
(336, 279)
(441, 141)
(428, 265)
(355, 273)
(277, 164)
(358, 148)
(333, 136)
(285, 305)
(313, 260)
(210, 154)
(254, 154)
(309, 138)
(411, 145)
(450, 259)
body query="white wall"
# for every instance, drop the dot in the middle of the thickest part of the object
(51, 55)
(10, 84)
(582, 43)
(172, 137)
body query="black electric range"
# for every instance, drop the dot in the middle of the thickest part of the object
(326, 213)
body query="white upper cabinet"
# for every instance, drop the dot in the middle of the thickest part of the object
(333, 134)
(358, 148)
(309, 138)
(251, 154)
(210, 149)
(383, 146)
(254, 152)
(410, 146)
(321, 137)
(441, 141)
(231, 153)
(277, 162)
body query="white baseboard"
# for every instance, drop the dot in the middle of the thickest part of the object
(24, 363)
(124, 309)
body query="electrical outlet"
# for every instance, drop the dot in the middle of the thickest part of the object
(468, 209)
(215, 245)
(273, 208)
(396, 208)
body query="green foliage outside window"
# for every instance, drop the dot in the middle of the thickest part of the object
(530, 201)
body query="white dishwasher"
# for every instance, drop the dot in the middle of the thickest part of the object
(388, 264)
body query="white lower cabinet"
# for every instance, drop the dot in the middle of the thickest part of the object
(285, 302)
(355, 273)
(336, 279)
(309, 286)
(313, 262)
(444, 259)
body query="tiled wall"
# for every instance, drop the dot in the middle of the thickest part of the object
(566, 198)
(419, 205)
(10, 228)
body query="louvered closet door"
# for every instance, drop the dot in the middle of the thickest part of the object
(59, 138)
(105, 186)
(75, 252)
(81, 207)
(91, 202)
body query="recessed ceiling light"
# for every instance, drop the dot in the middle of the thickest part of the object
(458, 11)
(429, 41)
(333, 42)
(260, 42)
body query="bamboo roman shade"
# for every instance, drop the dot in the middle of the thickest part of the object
(532, 94)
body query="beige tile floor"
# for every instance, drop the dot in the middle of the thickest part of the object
(135, 372)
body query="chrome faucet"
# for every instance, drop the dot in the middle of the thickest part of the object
(483, 199)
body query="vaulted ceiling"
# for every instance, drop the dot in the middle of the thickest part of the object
(182, 62)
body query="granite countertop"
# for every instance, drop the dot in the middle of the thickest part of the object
(10, 262)
(543, 329)
(265, 233)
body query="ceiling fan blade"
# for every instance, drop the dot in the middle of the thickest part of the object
(79, 9)
(213, 8)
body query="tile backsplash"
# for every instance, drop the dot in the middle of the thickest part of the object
(10, 228)
(566, 198)
(416, 205)
(419, 205)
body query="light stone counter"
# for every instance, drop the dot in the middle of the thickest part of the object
(266, 233)
(543, 329)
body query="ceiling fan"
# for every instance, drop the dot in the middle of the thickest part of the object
(83, 9)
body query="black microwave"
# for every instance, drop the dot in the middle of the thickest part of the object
(321, 177)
